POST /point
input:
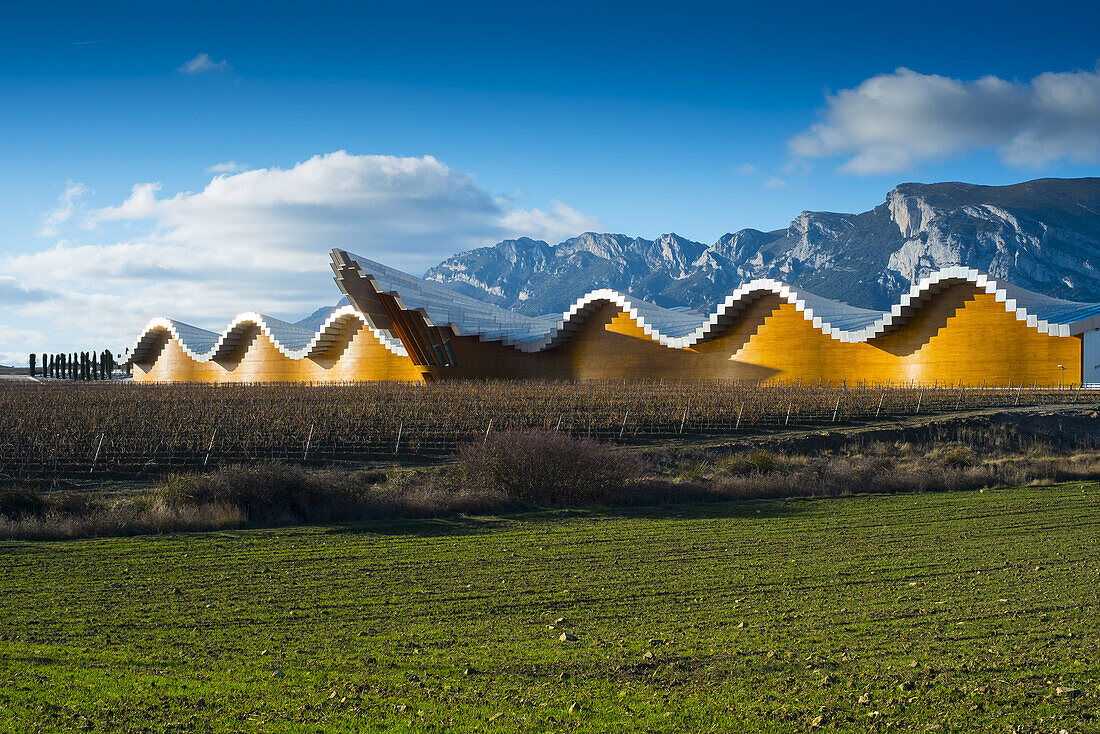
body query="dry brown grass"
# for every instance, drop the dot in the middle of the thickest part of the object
(513, 470)
(765, 475)
(139, 516)
(259, 495)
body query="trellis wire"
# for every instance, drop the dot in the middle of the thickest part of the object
(53, 431)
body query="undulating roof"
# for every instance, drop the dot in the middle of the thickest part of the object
(294, 340)
(674, 328)
(682, 329)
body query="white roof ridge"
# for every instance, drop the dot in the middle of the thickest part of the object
(224, 342)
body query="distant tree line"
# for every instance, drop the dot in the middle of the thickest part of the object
(75, 365)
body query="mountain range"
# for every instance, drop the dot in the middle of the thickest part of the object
(1043, 235)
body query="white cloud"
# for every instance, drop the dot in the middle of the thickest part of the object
(774, 182)
(553, 226)
(259, 240)
(797, 167)
(893, 122)
(748, 169)
(227, 167)
(17, 339)
(203, 63)
(67, 205)
(14, 293)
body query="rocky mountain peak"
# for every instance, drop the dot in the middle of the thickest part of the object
(607, 246)
(910, 212)
(1043, 235)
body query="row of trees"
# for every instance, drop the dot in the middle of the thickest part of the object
(75, 366)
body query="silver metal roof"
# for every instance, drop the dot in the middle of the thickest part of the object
(674, 328)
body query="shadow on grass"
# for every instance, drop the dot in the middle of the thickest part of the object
(483, 524)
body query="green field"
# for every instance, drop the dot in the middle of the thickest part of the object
(929, 612)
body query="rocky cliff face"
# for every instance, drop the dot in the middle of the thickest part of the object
(1043, 235)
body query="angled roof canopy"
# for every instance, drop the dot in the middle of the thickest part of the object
(679, 329)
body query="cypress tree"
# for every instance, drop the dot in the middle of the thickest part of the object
(33, 362)
(44, 365)
(95, 367)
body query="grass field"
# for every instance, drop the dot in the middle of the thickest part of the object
(959, 611)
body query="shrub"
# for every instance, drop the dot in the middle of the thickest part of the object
(758, 462)
(547, 467)
(959, 458)
(272, 492)
(20, 502)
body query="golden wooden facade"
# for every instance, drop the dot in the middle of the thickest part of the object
(961, 336)
(356, 355)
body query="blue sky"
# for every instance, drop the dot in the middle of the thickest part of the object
(463, 124)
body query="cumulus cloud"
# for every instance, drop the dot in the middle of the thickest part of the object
(748, 169)
(774, 182)
(410, 212)
(892, 122)
(553, 226)
(17, 339)
(203, 63)
(259, 240)
(67, 205)
(227, 167)
(14, 293)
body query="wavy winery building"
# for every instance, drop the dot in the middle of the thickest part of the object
(957, 326)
